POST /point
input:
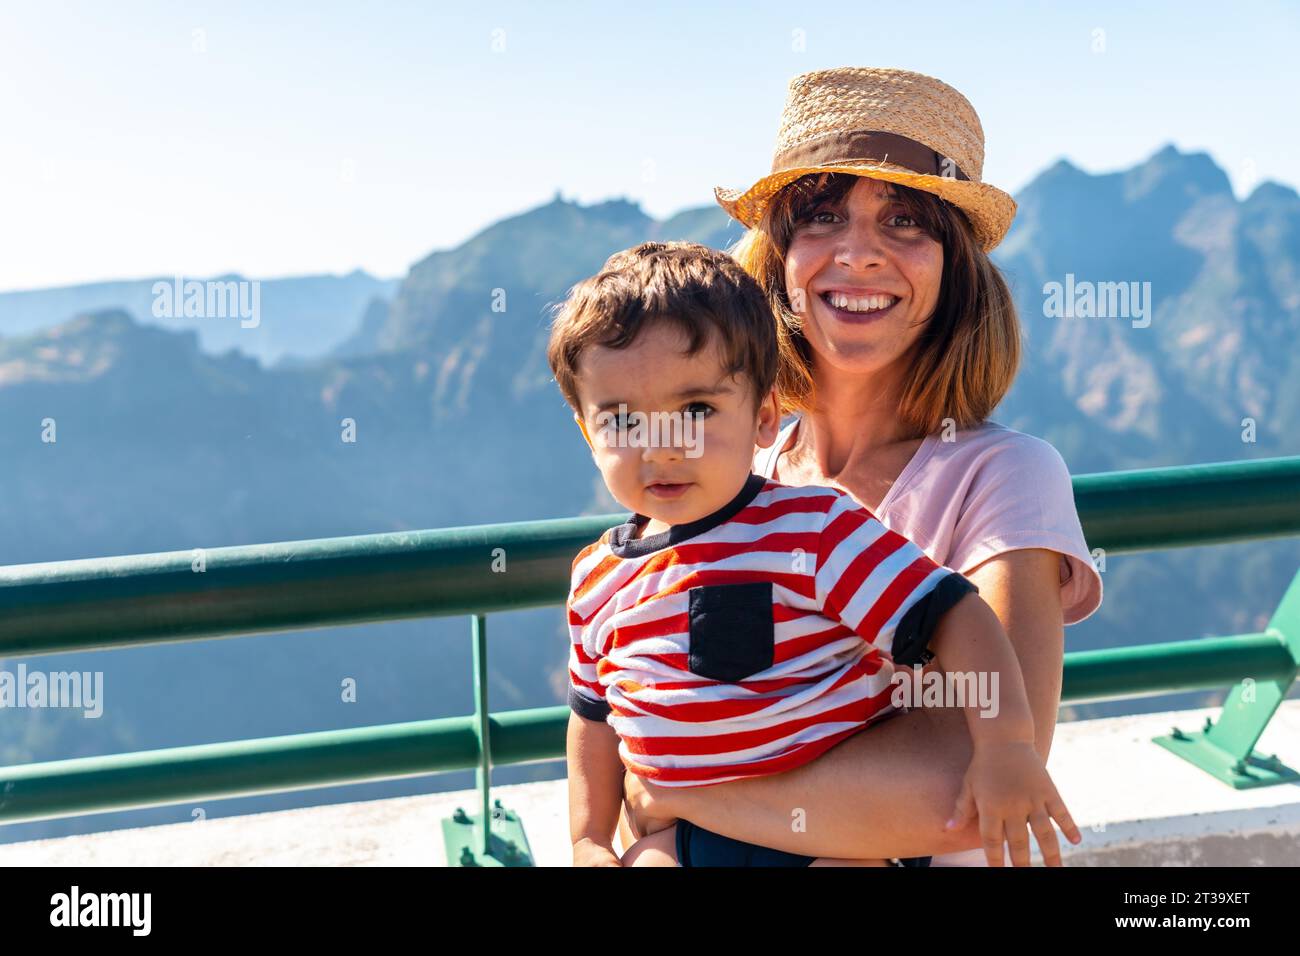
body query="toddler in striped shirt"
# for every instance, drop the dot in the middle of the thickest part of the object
(736, 626)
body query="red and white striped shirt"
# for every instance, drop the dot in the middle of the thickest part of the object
(752, 640)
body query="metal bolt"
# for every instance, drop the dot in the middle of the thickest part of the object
(1209, 722)
(467, 857)
(460, 817)
(1179, 735)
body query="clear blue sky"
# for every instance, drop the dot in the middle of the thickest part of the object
(149, 138)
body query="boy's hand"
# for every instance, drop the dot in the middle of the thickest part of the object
(591, 853)
(1008, 786)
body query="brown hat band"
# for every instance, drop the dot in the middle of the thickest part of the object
(872, 145)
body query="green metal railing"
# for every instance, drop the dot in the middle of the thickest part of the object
(103, 603)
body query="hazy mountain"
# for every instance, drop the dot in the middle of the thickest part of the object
(163, 445)
(302, 317)
(1225, 295)
(365, 340)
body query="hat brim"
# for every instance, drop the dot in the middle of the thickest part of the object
(989, 209)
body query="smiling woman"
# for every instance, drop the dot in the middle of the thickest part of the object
(898, 339)
(947, 328)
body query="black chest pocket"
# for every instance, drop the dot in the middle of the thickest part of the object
(732, 635)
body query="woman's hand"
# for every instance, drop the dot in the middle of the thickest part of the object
(590, 853)
(646, 806)
(1007, 786)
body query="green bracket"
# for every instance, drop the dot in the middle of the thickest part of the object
(502, 841)
(1226, 750)
(462, 834)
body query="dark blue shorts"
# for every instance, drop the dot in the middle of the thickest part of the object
(697, 846)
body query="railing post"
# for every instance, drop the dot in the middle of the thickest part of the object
(482, 730)
(471, 842)
(1226, 750)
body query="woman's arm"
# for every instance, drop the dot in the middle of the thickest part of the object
(890, 791)
(1024, 590)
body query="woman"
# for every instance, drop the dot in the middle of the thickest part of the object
(898, 339)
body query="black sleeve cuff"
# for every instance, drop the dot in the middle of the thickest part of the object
(912, 637)
(587, 708)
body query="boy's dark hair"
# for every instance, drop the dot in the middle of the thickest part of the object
(704, 292)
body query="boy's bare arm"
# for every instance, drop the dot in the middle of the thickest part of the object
(595, 790)
(1006, 783)
(969, 639)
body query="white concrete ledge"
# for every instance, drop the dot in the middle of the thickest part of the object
(1136, 803)
(1140, 805)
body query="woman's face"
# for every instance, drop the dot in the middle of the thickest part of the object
(864, 277)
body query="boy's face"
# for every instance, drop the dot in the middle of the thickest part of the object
(683, 444)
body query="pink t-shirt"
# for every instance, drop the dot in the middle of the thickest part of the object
(990, 490)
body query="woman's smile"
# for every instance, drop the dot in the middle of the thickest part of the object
(858, 309)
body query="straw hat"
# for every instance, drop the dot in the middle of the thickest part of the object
(895, 125)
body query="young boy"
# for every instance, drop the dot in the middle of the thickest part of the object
(736, 626)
